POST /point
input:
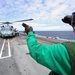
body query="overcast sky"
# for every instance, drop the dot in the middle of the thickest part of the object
(47, 14)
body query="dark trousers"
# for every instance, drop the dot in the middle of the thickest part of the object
(52, 73)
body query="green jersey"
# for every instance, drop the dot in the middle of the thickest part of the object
(53, 56)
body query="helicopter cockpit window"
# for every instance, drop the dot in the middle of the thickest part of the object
(11, 27)
(7, 28)
(2, 28)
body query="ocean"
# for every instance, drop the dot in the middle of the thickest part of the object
(70, 35)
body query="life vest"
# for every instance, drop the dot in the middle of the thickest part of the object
(71, 50)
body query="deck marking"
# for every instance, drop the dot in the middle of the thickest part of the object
(9, 52)
(2, 47)
(9, 48)
(4, 57)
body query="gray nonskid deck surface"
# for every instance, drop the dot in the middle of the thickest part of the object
(15, 60)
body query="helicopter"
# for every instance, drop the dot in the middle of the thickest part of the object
(6, 30)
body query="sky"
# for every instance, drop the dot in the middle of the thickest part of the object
(46, 14)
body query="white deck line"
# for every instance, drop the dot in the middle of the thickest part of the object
(5, 57)
(9, 49)
(9, 52)
(2, 47)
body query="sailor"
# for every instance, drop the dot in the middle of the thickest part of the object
(70, 19)
(60, 58)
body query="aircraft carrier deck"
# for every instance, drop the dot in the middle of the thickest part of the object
(15, 60)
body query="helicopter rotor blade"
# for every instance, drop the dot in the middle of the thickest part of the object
(23, 20)
(1, 22)
(15, 21)
(5, 22)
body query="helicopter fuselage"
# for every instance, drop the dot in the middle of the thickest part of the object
(7, 31)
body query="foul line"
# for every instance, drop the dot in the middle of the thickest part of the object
(2, 47)
(9, 48)
(9, 52)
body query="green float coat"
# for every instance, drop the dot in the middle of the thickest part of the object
(53, 56)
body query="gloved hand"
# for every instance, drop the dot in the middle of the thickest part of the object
(27, 28)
